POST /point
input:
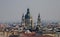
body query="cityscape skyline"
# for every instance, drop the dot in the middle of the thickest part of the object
(12, 10)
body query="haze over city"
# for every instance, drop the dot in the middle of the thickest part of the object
(12, 10)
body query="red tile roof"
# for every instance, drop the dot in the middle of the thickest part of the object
(33, 34)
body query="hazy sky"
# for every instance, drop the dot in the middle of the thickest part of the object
(12, 10)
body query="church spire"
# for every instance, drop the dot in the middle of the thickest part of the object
(23, 17)
(28, 11)
(39, 20)
(39, 17)
(23, 20)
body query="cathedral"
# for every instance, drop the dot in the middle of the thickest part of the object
(27, 21)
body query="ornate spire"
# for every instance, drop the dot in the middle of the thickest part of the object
(39, 15)
(38, 19)
(23, 17)
(23, 20)
(28, 11)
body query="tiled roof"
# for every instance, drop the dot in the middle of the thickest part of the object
(33, 35)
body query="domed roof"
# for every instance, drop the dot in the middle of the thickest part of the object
(27, 16)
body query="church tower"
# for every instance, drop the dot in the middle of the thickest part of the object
(32, 24)
(23, 21)
(28, 19)
(39, 20)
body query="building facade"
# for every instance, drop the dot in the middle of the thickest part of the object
(27, 20)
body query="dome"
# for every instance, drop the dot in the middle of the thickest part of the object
(27, 16)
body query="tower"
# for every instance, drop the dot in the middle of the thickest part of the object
(32, 25)
(39, 20)
(28, 19)
(23, 21)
